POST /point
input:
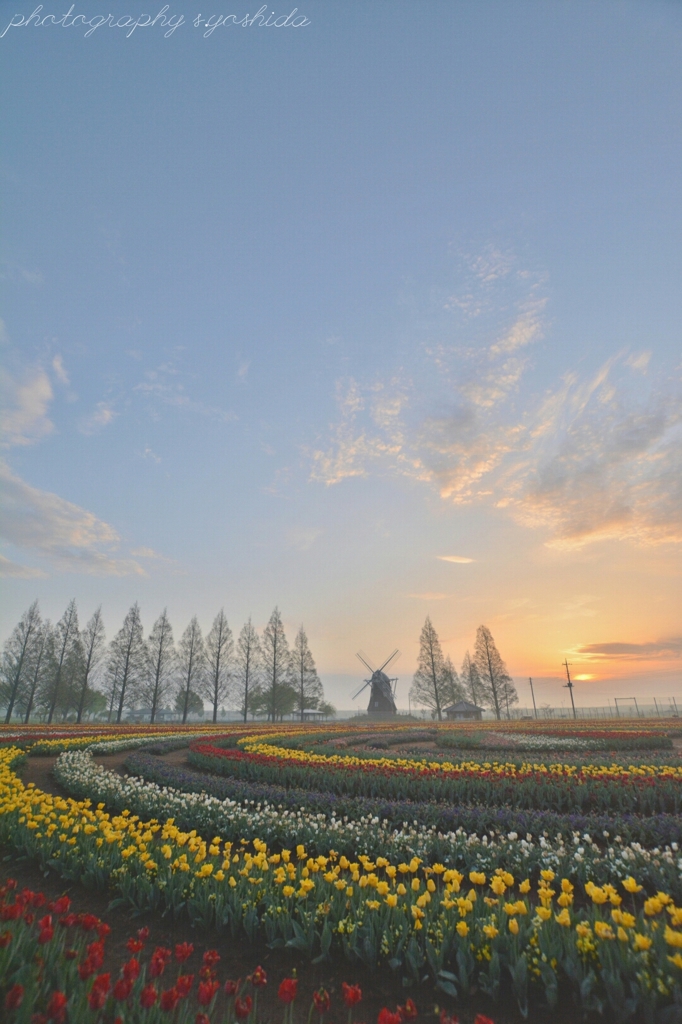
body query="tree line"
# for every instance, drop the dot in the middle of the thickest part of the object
(56, 671)
(483, 680)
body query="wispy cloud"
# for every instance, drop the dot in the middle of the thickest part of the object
(593, 458)
(101, 417)
(147, 453)
(458, 559)
(12, 570)
(150, 554)
(71, 538)
(658, 650)
(602, 461)
(302, 538)
(15, 273)
(639, 361)
(24, 418)
(59, 371)
(173, 394)
(369, 430)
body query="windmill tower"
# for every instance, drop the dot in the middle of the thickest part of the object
(382, 689)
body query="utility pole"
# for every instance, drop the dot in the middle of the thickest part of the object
(569, 686)
(532, 693)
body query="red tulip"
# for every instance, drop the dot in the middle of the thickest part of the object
(169, 999)
(259, 978)
(352, 994)
(287, 990)
(131, 969)
(386, 1017)
(148, 996)
(183, 951)
(184, 985)
(211, 958)
(231, 988)
(242, 1008)
(14, 997)
(96, 954)
(159, 961)
(122, 989)
(408, 1011)
(321, 1000)
(99, 991)
(134, 945)
(207, 991)
(86, 968)
(56, 1007)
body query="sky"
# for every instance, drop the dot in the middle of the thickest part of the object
(369, 315)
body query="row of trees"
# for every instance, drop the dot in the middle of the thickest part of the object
(64, 670)
(483, 679)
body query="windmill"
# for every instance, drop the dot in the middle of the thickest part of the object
(382, 693)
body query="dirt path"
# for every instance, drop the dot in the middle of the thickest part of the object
(38, 770)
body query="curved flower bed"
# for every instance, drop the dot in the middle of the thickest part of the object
(167, 739)
(647, 789)
(108, 740)
(657, 830)
(464, 928)
(577, 856)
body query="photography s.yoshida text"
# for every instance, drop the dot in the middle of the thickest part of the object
(163, 21)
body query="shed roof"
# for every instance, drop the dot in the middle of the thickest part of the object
(464, 705)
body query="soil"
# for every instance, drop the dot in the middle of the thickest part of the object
(239, 957)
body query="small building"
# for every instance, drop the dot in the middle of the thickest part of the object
(463, 711)
(162, 715)
(311, 715)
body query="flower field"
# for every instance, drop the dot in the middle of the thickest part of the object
(530, 913)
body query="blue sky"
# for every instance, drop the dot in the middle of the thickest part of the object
(290, 315)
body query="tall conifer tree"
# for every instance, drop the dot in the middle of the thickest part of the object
(306, 682)
(497, 685)
(428, 681)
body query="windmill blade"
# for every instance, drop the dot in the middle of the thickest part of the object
(395, 654)
(363, 687)
(365, 661)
